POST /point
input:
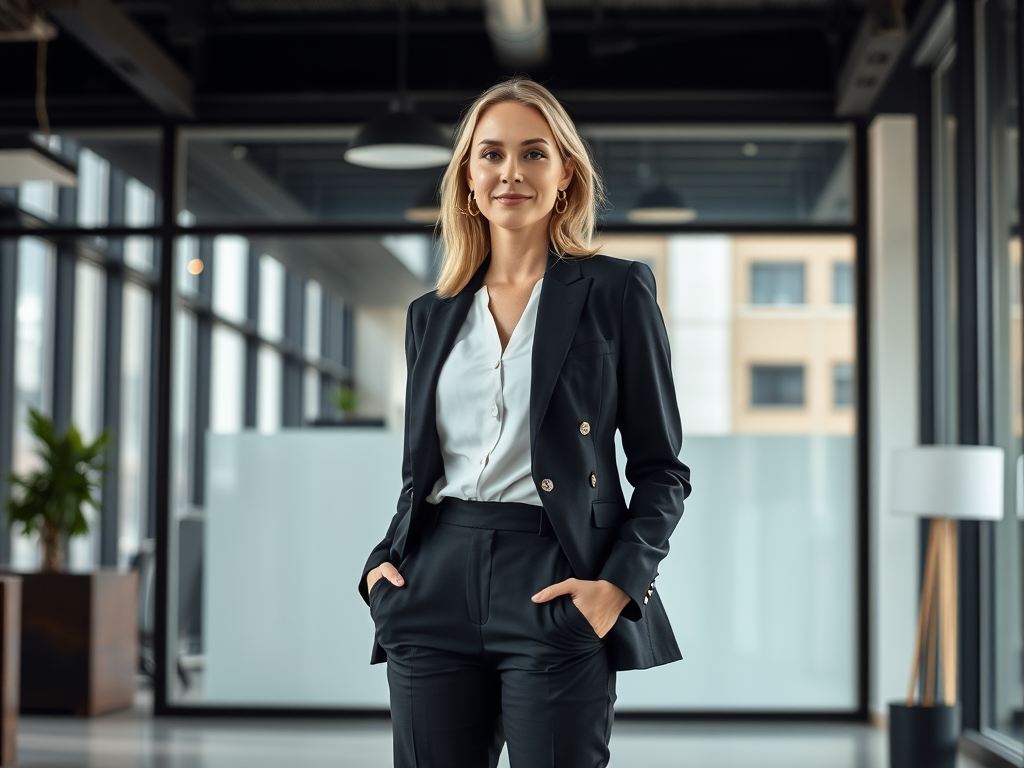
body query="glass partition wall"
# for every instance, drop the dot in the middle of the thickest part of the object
(287, 284)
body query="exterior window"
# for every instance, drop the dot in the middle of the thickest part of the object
(842, 385)
(777, 283)
(777, 385)
(842, 283)
(135, 410)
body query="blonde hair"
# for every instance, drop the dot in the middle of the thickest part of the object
(467, 238)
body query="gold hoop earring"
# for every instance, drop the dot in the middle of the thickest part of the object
(561, 199)
(471, 204)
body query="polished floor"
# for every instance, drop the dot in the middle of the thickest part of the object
(132, 739)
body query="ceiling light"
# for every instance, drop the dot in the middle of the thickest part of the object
(661, 205)
(21, 160)
(399, 140)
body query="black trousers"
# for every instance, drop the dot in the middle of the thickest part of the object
(473, 662)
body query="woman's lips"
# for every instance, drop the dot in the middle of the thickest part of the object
(512, 199)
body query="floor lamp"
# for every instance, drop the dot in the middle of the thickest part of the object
(946, 484)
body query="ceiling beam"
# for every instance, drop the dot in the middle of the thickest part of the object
(116, 40)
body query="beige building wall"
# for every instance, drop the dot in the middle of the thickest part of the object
(816, 335)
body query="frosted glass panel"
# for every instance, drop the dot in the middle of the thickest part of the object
(759, 583)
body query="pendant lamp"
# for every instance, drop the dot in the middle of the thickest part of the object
(401, 139)
(661, 205)
(22, 159)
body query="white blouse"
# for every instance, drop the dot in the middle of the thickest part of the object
(483, 409)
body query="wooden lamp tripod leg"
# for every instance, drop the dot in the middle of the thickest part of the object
(926, 608)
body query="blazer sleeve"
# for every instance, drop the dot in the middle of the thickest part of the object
(381, 552)
(648, 420)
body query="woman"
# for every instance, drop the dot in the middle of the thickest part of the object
(514, 581)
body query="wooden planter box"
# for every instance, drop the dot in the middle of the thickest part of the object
(79, 641)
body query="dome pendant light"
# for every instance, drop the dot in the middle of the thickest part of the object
(661, 205)
(400, 139)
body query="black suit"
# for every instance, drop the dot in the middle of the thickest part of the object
(600, 356)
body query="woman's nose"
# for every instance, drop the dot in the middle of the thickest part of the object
(511, 171)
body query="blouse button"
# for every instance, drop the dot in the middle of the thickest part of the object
(584, 428)
(547, 485)
(494, 410)
(593, 480)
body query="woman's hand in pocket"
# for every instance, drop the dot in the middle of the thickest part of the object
(383, 571)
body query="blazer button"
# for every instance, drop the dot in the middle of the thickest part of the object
(547, 485)
(646, 598)
(584, 428)
(593, 480)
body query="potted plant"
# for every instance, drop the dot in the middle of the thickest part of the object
(51, 499)
(79, 636)
(346, 400)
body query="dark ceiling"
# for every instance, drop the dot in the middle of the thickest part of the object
(290, 61)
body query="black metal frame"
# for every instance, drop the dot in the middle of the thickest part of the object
(974, 335)
(166, 300)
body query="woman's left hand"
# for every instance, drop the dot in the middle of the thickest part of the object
(600, 602)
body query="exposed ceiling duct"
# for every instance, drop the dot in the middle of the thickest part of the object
(872, 58)
(518, 31)
(117, 40)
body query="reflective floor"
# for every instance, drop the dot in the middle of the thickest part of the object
(132, 739)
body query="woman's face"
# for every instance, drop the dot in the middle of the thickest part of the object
(515, 168)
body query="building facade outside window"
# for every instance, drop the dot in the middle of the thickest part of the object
(777, 283)
(779, 386)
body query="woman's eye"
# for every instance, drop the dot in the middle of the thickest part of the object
(533, 154)
(490, 155)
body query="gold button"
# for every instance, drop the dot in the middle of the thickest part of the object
(584, 428)
(547, 485)
(593, 480)
(645, 600)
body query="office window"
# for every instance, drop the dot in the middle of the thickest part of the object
(311, 336)
(842, 283)
(230, 277)
(183, 410)
(139, 211)
(227, 380)
(311, 395)
(272, 278)
(777, 385)
(87, 386)
(777, 283)
(268, 389)
(842, 385)
(93, 189)
(33, 367)
(38, 198)
(135, 414)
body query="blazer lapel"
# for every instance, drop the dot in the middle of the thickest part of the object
(562, 296)
(443, 323)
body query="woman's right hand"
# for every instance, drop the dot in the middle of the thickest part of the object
(384, 571)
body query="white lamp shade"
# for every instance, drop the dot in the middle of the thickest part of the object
(1020, 487)
(960, 482)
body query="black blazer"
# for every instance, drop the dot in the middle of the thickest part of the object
(600, 355)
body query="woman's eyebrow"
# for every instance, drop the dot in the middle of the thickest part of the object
(498, 143)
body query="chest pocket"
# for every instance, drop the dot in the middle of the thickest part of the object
(589, 349)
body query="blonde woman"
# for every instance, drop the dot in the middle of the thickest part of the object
(514, 581)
